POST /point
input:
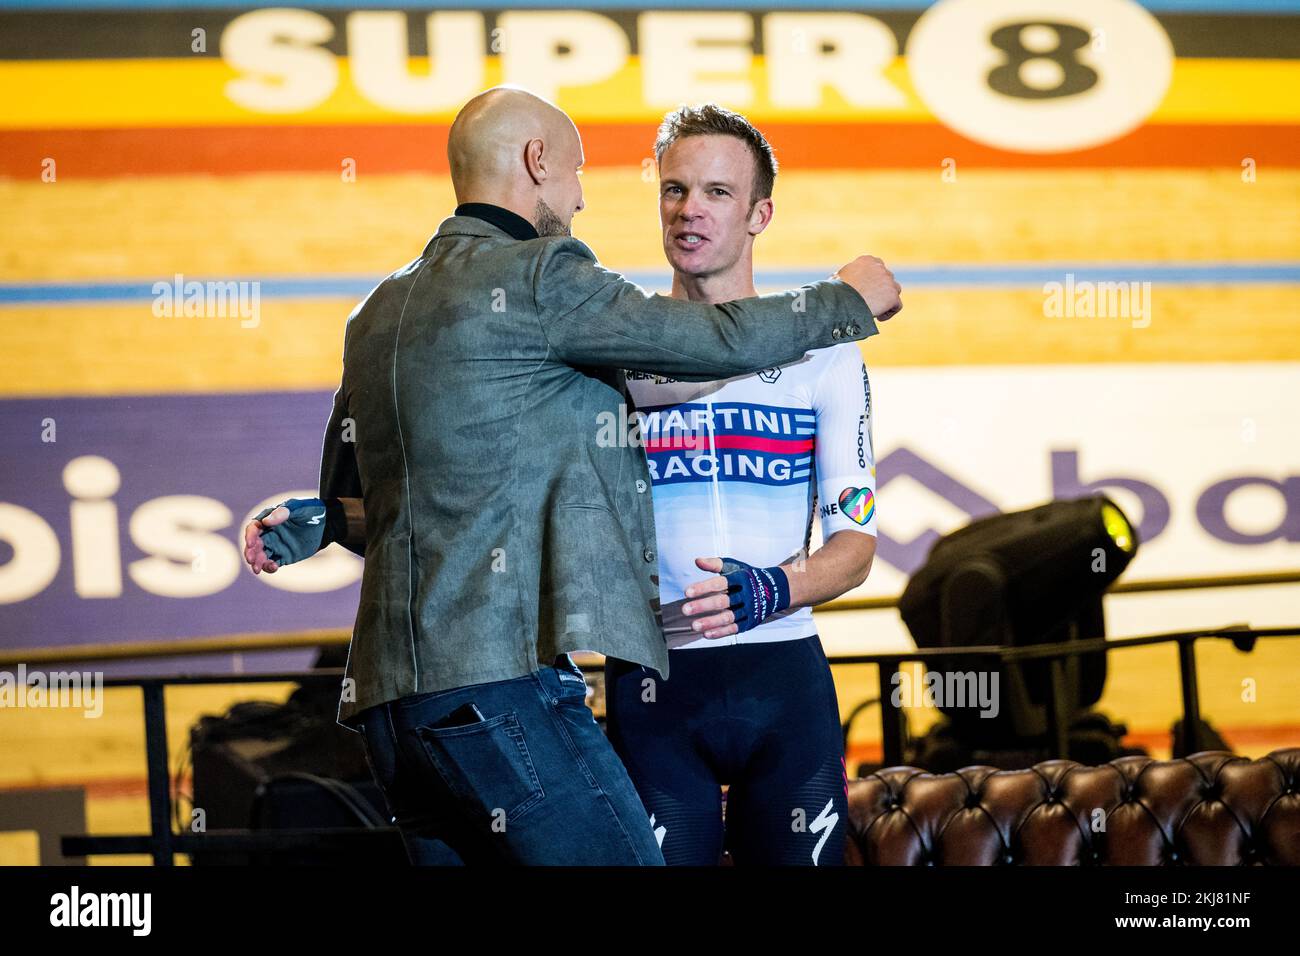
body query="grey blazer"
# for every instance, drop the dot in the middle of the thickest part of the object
(484, 420)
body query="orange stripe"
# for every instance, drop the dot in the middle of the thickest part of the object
(423, 148)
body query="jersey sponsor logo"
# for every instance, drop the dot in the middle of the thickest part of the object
(865, 445)
(770, 375)
(633, 376)
(857, 504)
(728, 441)
(862, 441)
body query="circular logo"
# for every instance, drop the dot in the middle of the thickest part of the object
(1040, 76)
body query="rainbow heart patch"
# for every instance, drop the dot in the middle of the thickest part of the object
(858, 504)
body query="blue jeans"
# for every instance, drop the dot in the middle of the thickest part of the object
(533, 782)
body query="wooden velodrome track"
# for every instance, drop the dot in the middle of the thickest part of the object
(305, 225)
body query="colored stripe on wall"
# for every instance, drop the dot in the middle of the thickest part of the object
(80, 154)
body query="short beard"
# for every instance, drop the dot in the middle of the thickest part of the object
(548, 223)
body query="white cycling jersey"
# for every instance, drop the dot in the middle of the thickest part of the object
(738, 464)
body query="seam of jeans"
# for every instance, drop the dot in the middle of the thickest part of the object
(619, 820)
(517, 735)
(549, 704)
(596, 785)
(398, 758)
(388, 716)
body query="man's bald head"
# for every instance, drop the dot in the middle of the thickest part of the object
(488, 136)
(511, 148)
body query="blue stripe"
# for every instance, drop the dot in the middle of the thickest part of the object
(1034, 275)
(1158, 6)
(312, 287)
(913, 277)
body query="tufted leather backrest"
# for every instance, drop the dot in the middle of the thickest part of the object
(1212, 808)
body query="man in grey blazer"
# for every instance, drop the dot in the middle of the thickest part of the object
(484, 421)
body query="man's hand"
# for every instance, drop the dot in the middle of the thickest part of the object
(291, 531)
(875, 284)
(254, 551)
(744, 595)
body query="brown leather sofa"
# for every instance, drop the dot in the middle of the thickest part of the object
(1213, 808)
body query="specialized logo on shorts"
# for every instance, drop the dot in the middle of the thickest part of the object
(826, 820)
(660, 831)
(858, 504)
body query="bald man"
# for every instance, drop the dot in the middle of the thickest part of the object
(483, 421)
(484, 147)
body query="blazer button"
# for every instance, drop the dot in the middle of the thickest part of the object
(640, 486)
(854, 330)
(648, 554)
(835, 332)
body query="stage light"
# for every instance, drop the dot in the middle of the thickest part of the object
(1028, 577)
(1117, 527)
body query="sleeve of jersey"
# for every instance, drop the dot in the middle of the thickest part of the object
(846, 460)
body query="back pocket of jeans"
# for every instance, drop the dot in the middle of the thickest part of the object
(486, 765)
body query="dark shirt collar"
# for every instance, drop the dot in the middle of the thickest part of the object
(512, 223)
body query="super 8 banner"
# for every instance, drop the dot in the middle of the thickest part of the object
(1033, 82)
(1017, 162)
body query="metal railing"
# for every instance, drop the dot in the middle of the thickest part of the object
(162, 843)
(334, 637)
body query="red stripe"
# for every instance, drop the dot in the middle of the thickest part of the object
(423, 148)
(781, 446)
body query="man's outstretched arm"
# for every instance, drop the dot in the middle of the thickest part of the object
(592, 316)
